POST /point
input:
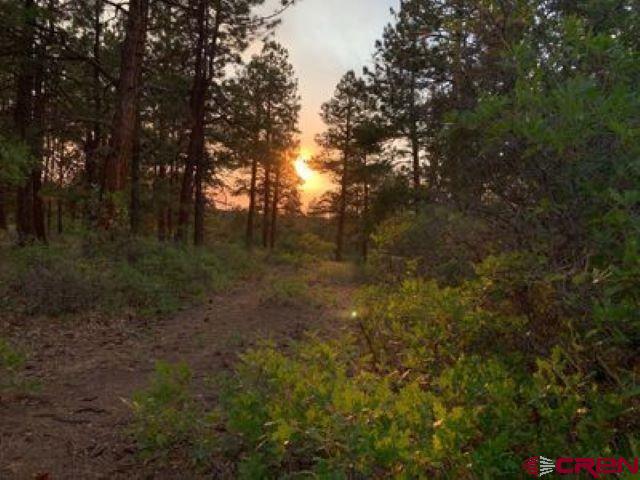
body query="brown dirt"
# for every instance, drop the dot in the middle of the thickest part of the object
(74, 427)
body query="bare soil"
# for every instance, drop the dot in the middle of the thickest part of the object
(75, 425)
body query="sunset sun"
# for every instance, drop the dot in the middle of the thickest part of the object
(303, 170)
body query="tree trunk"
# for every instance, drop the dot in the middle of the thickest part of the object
(365, 214)
(94, 136)
(198, 222)
(252, 203)
(342, 212)
(266, 205)
(162, 226)
(135, 213)
(161, 219)
(205, 56)
(274, 209)
(28, 117)
(169, 210)
(415, 143)
(59, 219)
(3, 213)
(342, 206)
(267, 180)
(123, 129)
(49, 214)
(60, 186)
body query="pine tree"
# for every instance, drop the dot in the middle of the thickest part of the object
(342, 115)
(400, 78)
(265, 110)
(123, 138)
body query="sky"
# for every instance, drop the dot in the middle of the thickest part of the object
(325, 39)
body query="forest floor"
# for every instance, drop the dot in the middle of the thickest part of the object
(75, 425)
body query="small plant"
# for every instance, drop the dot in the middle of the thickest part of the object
(12, 363)
(167, 418)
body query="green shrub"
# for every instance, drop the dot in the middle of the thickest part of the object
(325, 411)
(142, 276)
(439, 243)
(52, 282)
(287, 291)
(167, 418)
(435, 382)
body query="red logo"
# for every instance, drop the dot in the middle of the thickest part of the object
(596, 467)
(538, 466)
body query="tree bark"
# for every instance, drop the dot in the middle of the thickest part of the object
(59, 201)
(266, 205)
(365, 214)
(195, 165)
(135, 213)
(415, 143)
(252, 202)
(274, 208)
(3, 213)
(267, 180)
(342, 206)
(196, 137)
(342, 212)
(94, 136)
(198, 222)
(161, 219)
(28, 118)
(123, 130)
(59, 219)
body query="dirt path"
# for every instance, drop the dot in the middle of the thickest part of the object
(75, 426)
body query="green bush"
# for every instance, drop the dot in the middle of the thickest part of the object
(53, 282)
(137, 275)
(435, 386)
(439, 242)
(167, 419)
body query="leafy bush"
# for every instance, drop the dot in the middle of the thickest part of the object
(435, 386)
(438, 242)
(166, 417)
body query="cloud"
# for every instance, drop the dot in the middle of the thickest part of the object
(326, 38)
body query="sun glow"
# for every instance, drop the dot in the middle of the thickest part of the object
(303, 170)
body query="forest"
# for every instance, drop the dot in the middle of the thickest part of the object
(461, 300)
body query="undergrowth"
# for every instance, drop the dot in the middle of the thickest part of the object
(432, 382)
(140, 276)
